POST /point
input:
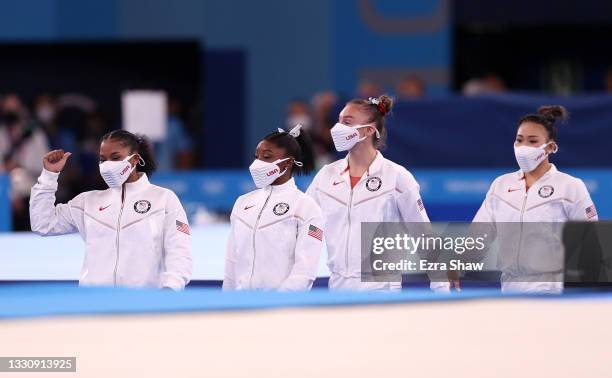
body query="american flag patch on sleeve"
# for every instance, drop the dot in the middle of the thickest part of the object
(315, 232)
(420, 204)
(182, 227)
(591, 212)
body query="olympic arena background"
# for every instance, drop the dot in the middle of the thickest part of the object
(463, 72)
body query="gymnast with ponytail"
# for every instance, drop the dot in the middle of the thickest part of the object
(364, 187)
(276, 234)
(524, 210)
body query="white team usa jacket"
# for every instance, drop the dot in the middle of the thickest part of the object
(387, 192)
(555, 197)
(275, 240)
(528, 226)
(140, 238)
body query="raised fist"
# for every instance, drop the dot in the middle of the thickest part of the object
(55, 160)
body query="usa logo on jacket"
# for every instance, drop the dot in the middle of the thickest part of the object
(281, 208)
(373, 184)
(546, 191)
(142, 206)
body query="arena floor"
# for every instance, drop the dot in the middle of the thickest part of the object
(267, 335)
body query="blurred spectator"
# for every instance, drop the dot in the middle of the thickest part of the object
(486, 84)
(94, 127)
(176, 151)
(45, 111)
(298, 111)
(410, 88)
(324, 112)
(69, 127)
(474, 87)
(494, 82)
(77, 101)
(74, 112)
(22, 142)
(22, 146)
(366, 89)
(60, 136)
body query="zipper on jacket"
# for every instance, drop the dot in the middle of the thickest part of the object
(254, 231)
(346, 255)
(518, 252)
(117, 240)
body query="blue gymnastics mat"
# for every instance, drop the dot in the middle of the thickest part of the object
(34, 300)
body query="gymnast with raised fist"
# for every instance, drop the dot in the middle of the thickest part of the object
(136, 234)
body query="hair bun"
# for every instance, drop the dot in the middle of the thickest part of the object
(553, 113)
(385, 104)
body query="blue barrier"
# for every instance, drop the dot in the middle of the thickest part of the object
(5, 203)
(448, 194)
(28, 301)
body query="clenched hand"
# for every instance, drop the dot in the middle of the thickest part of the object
(55, 160)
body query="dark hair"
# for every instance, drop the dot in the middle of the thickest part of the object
(299, 148)
(138, 144)
(376, 113)
(547, 117)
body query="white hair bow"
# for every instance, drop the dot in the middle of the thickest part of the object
(374, 100)
(295, 132)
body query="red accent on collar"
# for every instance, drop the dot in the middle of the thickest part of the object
(348, 167)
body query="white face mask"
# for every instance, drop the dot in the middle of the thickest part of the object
(346, 137)
(115, 173)
(528, 158)
(264, 173)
